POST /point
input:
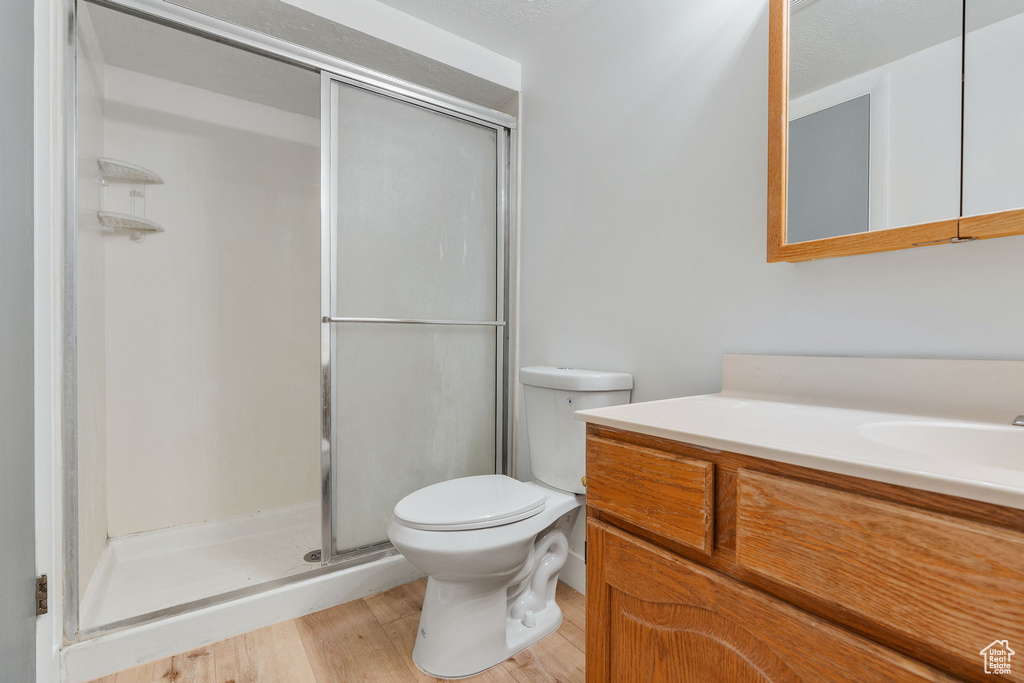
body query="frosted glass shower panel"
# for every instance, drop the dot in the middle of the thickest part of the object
(413, 405)
(415, 236)
(416, 211)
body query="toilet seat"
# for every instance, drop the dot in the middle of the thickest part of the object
(470, 503)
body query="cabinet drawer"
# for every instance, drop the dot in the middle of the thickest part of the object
(652, 616)
(939, 585)
(664, 493)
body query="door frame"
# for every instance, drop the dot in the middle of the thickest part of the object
(50, 136)
(56, 346)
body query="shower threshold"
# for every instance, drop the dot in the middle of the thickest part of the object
(154, 570)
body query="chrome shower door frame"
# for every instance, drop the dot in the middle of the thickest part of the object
(504, 127)
(331, 68)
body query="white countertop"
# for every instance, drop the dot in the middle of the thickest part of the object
(819, 437)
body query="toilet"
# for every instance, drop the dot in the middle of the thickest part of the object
(492, 546)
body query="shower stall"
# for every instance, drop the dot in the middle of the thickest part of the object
(287, 304)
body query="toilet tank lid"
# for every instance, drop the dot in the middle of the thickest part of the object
(572, 379)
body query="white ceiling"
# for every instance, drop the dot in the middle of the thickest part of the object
(831, 40)
(508, 27)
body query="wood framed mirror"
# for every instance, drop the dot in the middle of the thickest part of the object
(893, 125)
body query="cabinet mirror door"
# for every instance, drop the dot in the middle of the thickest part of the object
(890, 128)
(993, 174)
(872, 124)
(874, 116)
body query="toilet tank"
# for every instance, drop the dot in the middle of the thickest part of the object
(558, 443)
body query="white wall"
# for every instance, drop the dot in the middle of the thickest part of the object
(643, 219)
(919, 164)
(17, 559)
(924, 135)
(993, 130)
(90, 285)
(915, 133)
(212, 327)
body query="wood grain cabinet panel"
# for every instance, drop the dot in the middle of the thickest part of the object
(941, 586)
(668, 494)
(653, 616)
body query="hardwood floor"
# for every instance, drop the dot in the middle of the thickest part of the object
(364, 640)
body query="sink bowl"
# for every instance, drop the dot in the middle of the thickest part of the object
(982, 444)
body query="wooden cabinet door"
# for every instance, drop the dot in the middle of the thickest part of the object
(652, 616)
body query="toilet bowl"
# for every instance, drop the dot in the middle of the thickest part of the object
(492, 546)
(490, 591)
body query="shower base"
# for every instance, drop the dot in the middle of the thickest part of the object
(150, 571)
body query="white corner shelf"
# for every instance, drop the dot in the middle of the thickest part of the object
(139, 227)
(124, 172)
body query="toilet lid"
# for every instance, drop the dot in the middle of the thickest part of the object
(470, 503)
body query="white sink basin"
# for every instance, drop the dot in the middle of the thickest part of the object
(981, 444)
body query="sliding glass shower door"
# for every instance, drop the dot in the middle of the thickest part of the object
(414, 341)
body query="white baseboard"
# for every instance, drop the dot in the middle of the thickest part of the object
(115, 652)
(574, 573)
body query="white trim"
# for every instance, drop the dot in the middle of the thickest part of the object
(876, 84)
(514, 388)
(574, 573)
(398, 28)
(47, 268)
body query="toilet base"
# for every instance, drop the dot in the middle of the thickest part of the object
(463, 632)
(469, 626)
(490, 592)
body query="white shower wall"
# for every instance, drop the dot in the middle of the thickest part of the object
(212, 327)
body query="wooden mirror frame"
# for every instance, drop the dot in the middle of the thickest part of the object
(952, 231)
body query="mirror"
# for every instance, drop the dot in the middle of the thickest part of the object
(874, 115)
(869, 120)
(994, 107)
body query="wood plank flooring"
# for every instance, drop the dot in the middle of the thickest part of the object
(364, 640)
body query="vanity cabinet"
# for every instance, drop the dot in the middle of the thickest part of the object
(657, 617)
(715, 566)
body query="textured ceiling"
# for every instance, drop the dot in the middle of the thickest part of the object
(831, 40)
(298, 26)
(508, 27)
(149, 48)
